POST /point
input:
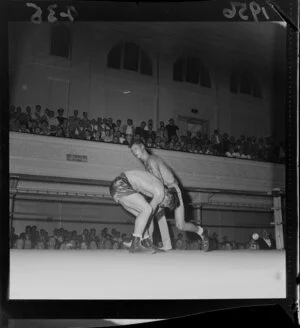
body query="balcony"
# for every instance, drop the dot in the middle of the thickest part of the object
(50, 166)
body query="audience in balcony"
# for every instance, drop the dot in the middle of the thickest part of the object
(166, 137)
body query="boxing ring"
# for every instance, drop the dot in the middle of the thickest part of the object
(117, 274)
(41, 171)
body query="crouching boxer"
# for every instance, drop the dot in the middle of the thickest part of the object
(131, 189)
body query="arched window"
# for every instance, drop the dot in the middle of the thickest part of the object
(234, 82)
(191, 70)
(205, 77)
(257, 91)
(114, 57)
(129, 56)
(245, 82)
(178, 69)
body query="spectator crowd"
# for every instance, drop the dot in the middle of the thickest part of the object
(164, 137)
(62, 239)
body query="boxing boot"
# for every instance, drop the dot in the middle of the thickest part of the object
(137, 247)
(147, 243)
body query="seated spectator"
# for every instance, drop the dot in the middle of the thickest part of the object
(60, 117)
(93, 126)
(129, 139)
(85, 122)
(27, 244)
(93, 234)
(116, 140)
(72, 244)
(108, 244)
(104, 126)
(53, 123)
(93, 245)
(37, 115)
(150, 122)
(161, 131)
(216, 142)
(43, 235)
(171, 129)
(118, 127)
(40, 245)
(28, 114)
(44, 126)
(35, 235)
(140, 130)
(149, 143)
(19, 244)
(156, 142)
(108, 136)
(111, 125)
(23, 129)
(265, 241)
(88, 135)
(122, 138)
(63, 246)
(84, 245)
(149, 133)
(129, 128)
(225, 143)
(46, 116)
(230, 151)
(99, 122)
(96, 136)
(74, 120)
(236, 152)
(86, 236)
(115, 245)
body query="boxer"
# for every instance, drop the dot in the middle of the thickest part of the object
(132, 190)
(157, 167)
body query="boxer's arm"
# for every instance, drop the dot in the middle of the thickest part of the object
(161, 171)
(158, 197)
(154, 169)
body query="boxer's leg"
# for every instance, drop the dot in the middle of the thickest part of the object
(181, 224)
(138, 206)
